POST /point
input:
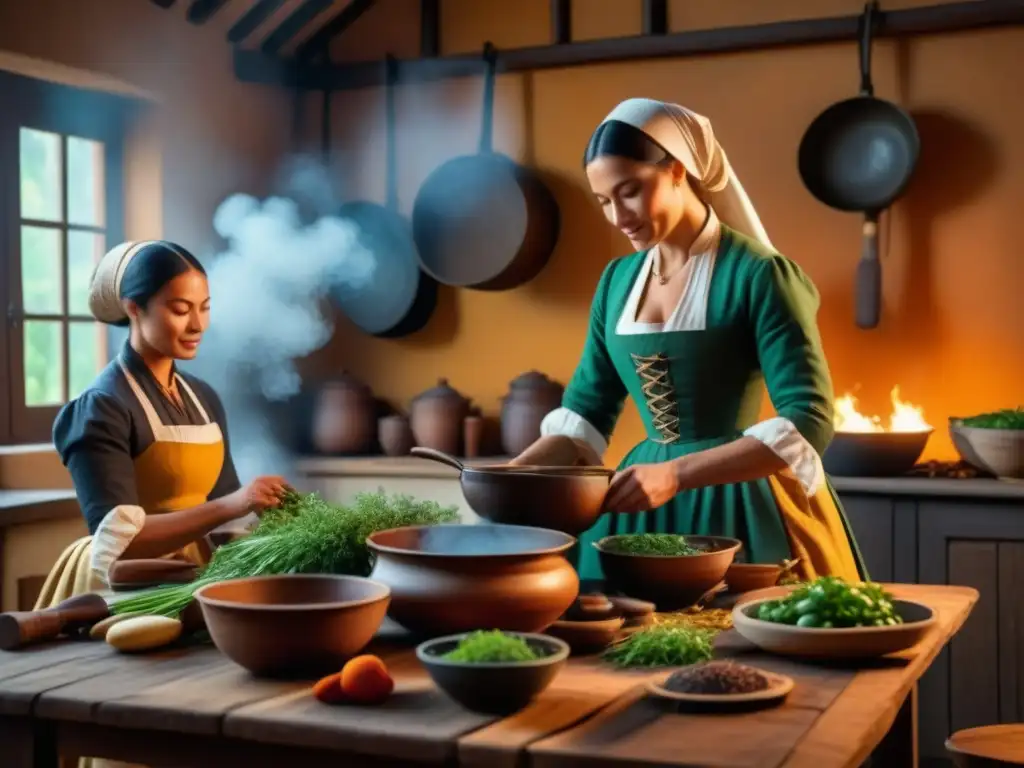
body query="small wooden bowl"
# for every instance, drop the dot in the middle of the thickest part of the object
(836, 643)
(987, 746)
(587, 636)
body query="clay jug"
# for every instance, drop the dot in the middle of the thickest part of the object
(437, 417)
(531, 396)
(345, 417)
(395, 435)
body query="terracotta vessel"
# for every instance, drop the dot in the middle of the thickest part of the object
(531, 397)
(437, 417)
(395, 435)
(293, 625)
(472, 434)
(567, 499)
(669, 581)
(446, 579)
(345, 417)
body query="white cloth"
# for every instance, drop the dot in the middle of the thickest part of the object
(105, 284)
(690, 314)
(690, 139)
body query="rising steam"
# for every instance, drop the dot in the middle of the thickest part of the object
(268, 289)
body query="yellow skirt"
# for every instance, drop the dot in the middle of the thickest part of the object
(72, 575)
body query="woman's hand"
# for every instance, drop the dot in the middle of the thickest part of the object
(262, 493)
(642, 487)
(557, 451)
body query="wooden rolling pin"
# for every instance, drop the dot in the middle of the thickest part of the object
(21, 628)
(139, 574)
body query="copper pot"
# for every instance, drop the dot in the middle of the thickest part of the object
(531, 397)
(345, 417)
(458, 578)
(437, 416)
(565, 499)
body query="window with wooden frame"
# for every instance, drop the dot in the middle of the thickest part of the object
(61, 207)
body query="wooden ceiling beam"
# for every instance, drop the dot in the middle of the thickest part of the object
(251, 20)
(292, 25)
(320, 41)
(920, 20)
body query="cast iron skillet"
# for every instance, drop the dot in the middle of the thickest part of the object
(483, 221)
(859, 155)
(400, 298)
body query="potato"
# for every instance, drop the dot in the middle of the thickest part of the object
(143, 633)
(100, 629)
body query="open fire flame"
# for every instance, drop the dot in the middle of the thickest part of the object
(905, 417)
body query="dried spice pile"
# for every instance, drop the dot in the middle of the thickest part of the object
(717, 677)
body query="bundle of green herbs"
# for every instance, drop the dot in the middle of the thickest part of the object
(1007, 418)
(663, 646)
(658, 544)
(489, 646)
(305, 534)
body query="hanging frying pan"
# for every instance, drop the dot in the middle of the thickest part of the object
(859, 155)
(400, 298)
(483, 221)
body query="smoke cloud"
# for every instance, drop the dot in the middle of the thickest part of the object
(268, 290)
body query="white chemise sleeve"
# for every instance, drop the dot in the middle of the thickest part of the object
(782, 436)
(112, 537)
(562, 421)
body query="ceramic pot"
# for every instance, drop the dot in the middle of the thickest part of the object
(472, 434)
(531, 397)
(446, 579)
(395, 435)
(345, 417)
(437, 417)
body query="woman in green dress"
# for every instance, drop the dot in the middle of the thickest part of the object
(693, 326)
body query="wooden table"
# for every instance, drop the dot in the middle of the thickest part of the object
(192, 707)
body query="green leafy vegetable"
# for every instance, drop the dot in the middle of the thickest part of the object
(304, 535)
(663, 646)
(664, 544)
(489, 646)
(829, 602)
(1007, 418)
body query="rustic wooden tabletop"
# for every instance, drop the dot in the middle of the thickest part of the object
(193, 707)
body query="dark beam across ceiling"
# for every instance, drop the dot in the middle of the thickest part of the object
(320, 41)
(294, 24)
(923, 20)
(251, 19)
(201, 11)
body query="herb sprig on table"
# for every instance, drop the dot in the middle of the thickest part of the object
(306, 534)
(663, 646)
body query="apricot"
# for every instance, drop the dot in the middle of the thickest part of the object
(365, 680)
(328, 689)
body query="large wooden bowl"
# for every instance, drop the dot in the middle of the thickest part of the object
(668, 581)
(293, 625)
(837, 643)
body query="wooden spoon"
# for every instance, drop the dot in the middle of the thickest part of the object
(21, 628)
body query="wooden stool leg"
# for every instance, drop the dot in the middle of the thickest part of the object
(899, 747)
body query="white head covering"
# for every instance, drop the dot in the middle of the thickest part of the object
(105, 285)
(689, 138)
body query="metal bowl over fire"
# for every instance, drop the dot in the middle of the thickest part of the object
(863, 446)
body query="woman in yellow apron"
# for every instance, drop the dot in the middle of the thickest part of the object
(692, 327)
(146, 445)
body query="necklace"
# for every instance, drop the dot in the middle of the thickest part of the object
(661, 277)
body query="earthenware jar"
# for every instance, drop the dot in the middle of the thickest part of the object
(345, 416)
(437, 417)
(395, 435)
(531, 397)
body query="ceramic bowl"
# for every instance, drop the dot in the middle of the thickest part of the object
(746, 577)
(668, 581)
(498, 688)
(838, 643)
(293, 625)
(999, 452)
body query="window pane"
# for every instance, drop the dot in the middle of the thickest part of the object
(40, 163)
(85, 249)
(87, 351)
(85, 182)
(44, 362)
(41, 278)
